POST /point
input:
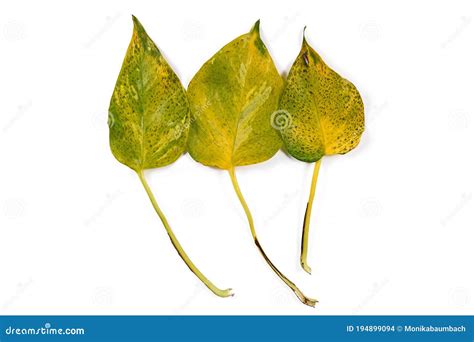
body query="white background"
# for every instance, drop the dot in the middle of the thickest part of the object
(392, 226)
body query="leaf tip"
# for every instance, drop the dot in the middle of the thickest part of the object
(305, 43)
(137, 24)
(256, 27)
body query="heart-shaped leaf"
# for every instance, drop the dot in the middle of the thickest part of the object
(232, 98)
(149, 108)
(320, 114)
(325, 111)
(149, 121)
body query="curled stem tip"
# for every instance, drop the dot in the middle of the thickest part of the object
(304, 299)
(307, 218)
(217, 291)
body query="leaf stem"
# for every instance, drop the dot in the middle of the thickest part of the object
(177, 245)
(307, 218)
(305, 300)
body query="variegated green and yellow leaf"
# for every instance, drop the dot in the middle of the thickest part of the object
(149, 110)
(323, 112)
(232, 98)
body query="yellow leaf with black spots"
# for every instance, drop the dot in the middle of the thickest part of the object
(325, 113)
(320, 114)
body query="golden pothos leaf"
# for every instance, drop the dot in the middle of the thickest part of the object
(232, 98)
(149, 122)
(320, 113)
(149, 110)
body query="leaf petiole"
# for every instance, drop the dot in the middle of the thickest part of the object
(305, 300)
(307, 218)
(177, 245)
